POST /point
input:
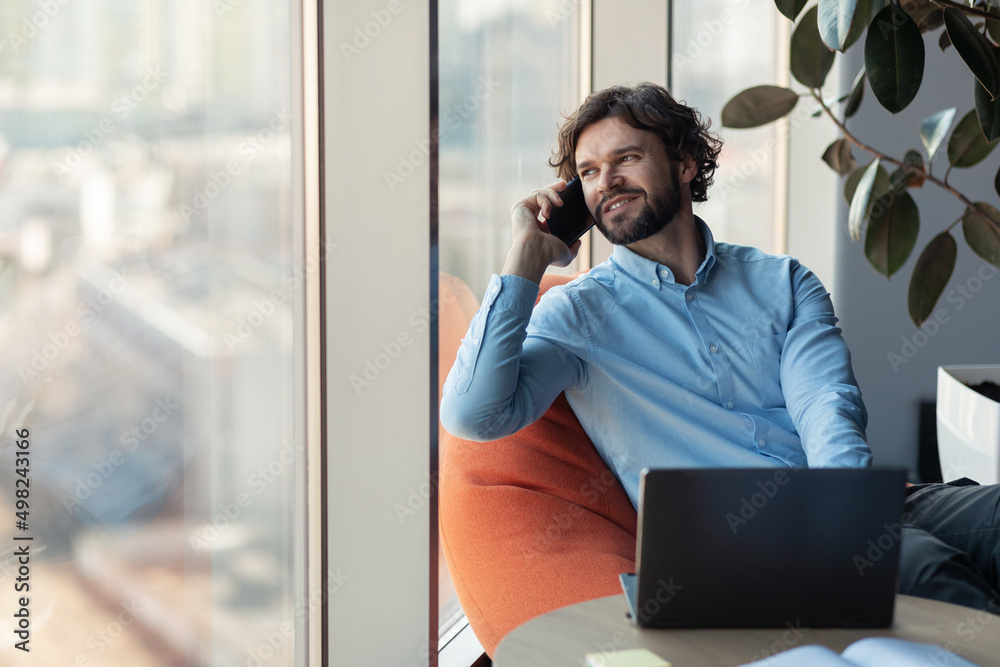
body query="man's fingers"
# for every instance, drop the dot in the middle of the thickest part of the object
(545, 206)
(549, 197)
(539, 205)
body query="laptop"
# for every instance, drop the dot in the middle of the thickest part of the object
(745, 548)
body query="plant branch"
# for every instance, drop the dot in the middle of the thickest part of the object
(960, 219)
(926, 175)
(965, 9)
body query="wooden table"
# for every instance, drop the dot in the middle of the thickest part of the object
(562, 637)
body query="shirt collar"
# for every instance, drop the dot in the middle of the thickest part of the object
(652, 273)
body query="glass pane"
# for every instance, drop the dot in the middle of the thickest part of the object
(720, 48)
(147, 323)
(509, 70)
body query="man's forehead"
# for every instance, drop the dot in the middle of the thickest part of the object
(611, 135)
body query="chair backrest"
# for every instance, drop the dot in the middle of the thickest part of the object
(531, 522)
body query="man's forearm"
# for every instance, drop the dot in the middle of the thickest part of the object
(478, 391)
(526, 260)
(499, 383)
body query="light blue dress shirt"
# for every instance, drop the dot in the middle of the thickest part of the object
(745, 367)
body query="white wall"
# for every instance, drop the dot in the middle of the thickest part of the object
(873, 311)
(813, 188)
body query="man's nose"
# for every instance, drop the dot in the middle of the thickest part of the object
(609, 180)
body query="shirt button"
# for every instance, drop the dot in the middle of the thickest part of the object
(689, 297)
(730, 405)
(761, 443)
(713, 348)
(654, 282)
(475, 341)
(664, 274)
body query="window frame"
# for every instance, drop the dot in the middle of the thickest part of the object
(386, 563)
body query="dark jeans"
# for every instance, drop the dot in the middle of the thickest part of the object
(950, 548)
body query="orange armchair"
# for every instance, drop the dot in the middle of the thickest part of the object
(531, 522)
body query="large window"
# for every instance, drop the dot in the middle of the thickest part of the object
(719, 48)
(148, 328)
(499, 112)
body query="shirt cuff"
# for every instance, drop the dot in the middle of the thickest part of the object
(514, 294)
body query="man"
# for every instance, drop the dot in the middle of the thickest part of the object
(683, 352)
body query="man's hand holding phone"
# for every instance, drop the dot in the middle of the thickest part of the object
(555, 241)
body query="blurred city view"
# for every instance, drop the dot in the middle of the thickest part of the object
(509, 72)
(147, 321)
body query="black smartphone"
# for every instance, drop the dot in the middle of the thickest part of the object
(571, 220)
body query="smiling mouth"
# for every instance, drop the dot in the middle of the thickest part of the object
(619, 204)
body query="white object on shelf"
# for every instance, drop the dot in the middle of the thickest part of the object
(968, 424)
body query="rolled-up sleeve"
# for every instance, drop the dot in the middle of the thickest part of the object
(499, 384)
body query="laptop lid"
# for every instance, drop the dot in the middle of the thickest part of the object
(762, 547)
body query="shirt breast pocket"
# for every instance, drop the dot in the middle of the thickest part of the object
(766, 354)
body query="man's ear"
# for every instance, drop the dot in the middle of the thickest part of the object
(687, 170)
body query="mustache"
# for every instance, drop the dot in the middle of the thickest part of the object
(617, 193)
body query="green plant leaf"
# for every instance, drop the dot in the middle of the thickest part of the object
(892, 232)
(993, 27)
(834, 21)
(903, 178)
(931, 20)
(975, 49)
(810, 60)
(881, 186)
(988, 107)
(859, 24)
(857, 93)
(982, 237)
(930, 275)
(894, 58)
(758, 106)
(790, 8)
(866, 11)
(934, 129)
(861, 201)
(838, 156)
(944, 41)
(967, 145)
(918, 9)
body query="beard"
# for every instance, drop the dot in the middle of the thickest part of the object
(656, 213)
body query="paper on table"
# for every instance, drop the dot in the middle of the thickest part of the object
(870, 652)
(804, 656)
(888, 652)
(633, 657)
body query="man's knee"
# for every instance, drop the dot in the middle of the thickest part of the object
(930, 568)
(923, 557)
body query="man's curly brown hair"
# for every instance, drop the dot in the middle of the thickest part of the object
(645, 106)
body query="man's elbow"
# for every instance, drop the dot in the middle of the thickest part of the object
(462, 423)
